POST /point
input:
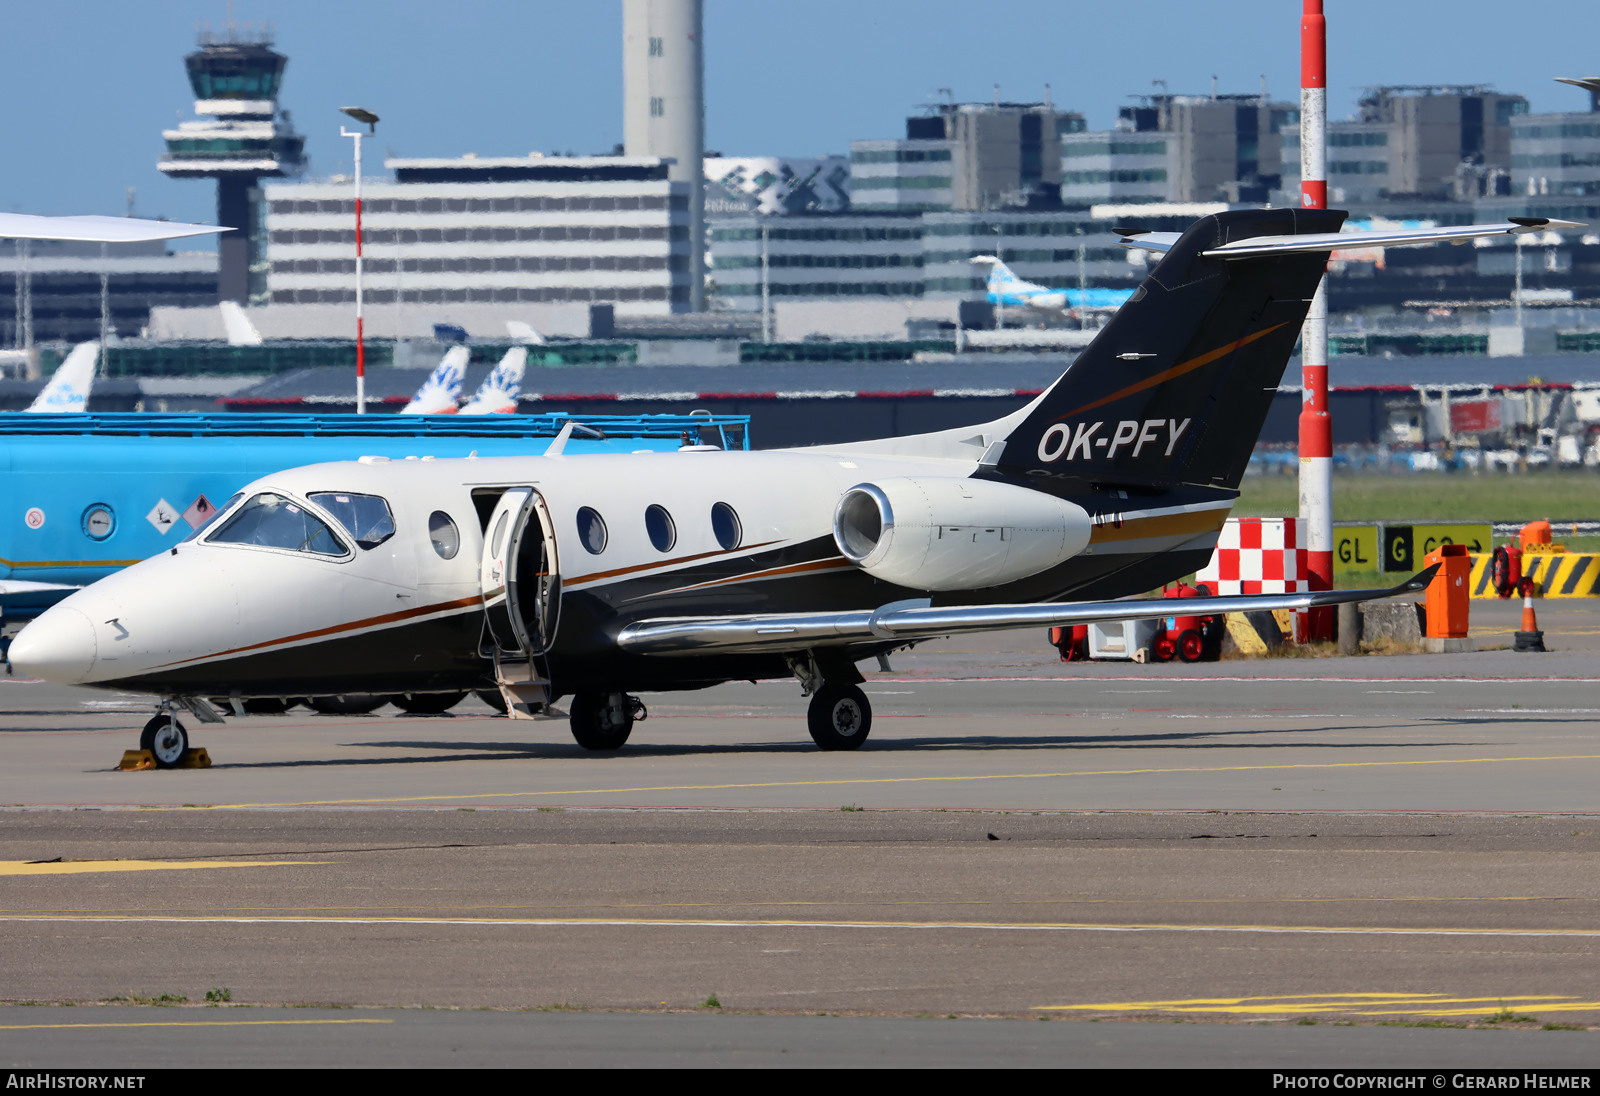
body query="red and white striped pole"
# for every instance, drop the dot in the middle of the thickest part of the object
(361, 341)
(1316, 428)
(360, 114)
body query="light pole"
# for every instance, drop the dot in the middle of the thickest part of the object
(360, 114)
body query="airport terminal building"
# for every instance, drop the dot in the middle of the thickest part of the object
(546, 230)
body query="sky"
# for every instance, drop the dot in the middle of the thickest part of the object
(88, 85)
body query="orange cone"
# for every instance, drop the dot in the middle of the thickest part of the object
(1530, 638)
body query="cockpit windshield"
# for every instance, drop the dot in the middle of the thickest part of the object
(272, 521)
(366, 517)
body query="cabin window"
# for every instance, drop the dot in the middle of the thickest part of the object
(443, 533)
(272, 521)
(658, 523)
(725, 526)
(591, 531)
(365, 517)
(212, 520)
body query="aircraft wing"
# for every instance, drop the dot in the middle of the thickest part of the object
(106, 230)
(1161, 242)
(908, 621)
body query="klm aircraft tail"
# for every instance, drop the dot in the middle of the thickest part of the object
(1175, 388)
(68, 390)
(1001, 280)
(441, 392)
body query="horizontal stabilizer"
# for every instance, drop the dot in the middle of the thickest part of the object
(907, 622)
(1254, 246)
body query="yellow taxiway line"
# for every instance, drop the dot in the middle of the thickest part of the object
(764, 923)
(1356, 1004)
(80, 867)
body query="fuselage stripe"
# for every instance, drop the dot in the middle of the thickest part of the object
(336, 629)
(596, 576)
(1169, 374)
(836, 563)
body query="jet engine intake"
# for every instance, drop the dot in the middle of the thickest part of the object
(933, 533)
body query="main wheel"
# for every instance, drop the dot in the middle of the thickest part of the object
(494, 698)
(840, 718)
(166, 740)
(602, 721)
(427, 703)
(347, 703)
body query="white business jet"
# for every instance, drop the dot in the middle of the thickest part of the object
(596, 577)
(68, 389)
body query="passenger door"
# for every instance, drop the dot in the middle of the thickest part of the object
(497, 577)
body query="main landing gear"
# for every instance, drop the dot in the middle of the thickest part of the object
(603, 721)
(840, 716)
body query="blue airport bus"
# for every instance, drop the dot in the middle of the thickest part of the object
(82, 495)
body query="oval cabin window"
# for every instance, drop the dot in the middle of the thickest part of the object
(591, 531)
(658, 523)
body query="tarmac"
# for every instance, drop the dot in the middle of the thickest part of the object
(1282, 856)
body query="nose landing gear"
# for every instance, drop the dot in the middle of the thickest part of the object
(166, 740)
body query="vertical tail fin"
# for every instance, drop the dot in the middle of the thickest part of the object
(441, 392)
(1176, 386)
(498, 392)
(68, 390)
(240, 331)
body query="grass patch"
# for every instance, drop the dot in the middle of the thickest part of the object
(219, 995)
(1426, 498)
(1563, 1027)
(158, 999)
(711, 1002)
(1506, 1016)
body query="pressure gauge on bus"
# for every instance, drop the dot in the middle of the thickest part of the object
(99, 521)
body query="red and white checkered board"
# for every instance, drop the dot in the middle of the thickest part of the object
(1258, 556)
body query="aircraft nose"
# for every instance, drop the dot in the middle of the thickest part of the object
(59, 647)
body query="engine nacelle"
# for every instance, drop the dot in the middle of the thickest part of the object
(933, 533)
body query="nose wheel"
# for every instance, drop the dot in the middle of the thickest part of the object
(166, 740)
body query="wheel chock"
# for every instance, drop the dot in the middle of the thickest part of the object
(195, 757)
(134, 761)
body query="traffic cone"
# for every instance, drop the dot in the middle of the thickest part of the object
(1530, 638)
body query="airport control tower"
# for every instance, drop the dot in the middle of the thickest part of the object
(241, 139)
